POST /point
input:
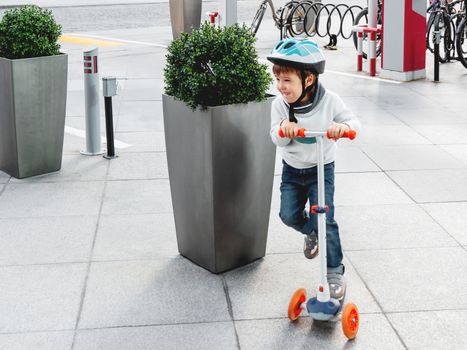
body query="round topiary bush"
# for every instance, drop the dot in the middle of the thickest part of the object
(215, 66)
(29, 31)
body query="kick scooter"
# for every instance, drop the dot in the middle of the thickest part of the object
(323, 307)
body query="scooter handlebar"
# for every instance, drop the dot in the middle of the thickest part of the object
(350, 134)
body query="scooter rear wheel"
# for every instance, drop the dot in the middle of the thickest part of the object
(297, 300)
(350, 320)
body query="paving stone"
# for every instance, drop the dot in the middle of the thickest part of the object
(37, 341)
(137, 197)
(357, 104)
(74, 168)
(46, 240)
(413, 279)
(428, 116)
(431, 329)
(134, 166)
(140, 116)
(367, 189)
(443, 134)
(374, 333)
(263, 289)
(406, 100)
(433, 185)
(51, 199)
(411, 157)
(451, 216)
(458, 151)
(143, 90)
(390, 135)
(389, 227)
(152, 292)
(122, 237)
(40, 297)
(142, 141)
(378, 117)
(281, 238)
(219, 335)
(353, 160)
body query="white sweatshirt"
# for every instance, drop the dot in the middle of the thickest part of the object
(330, 108)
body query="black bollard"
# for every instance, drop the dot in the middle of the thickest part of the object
(110, 89)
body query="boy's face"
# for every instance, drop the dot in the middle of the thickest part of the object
(289, 85)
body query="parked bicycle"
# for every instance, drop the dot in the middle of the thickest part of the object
(362, 18)
(461, 36)
(446, 16)
(289, 19)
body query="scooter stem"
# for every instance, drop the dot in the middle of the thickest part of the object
(323, 293)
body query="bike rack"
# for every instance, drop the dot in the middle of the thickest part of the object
(332, 27)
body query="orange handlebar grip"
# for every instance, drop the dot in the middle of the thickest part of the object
(350, 134)
(301, 133)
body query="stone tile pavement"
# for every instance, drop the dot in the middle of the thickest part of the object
(89, 260)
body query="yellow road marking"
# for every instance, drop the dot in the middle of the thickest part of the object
(88, 41)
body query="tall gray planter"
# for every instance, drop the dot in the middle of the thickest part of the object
(184, 15)
(32, 114)
(221, 170)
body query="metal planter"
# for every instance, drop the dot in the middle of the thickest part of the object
(221, 170)
(32, 114)
(184, 15)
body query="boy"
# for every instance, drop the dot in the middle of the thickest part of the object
(306, 104)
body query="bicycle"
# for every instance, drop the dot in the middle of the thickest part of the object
(362, 18)
(289, 19)
(445, 16)
(461, 35)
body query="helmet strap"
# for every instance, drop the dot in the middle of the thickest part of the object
(305, 91)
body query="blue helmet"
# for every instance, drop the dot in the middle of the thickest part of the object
(301, 53)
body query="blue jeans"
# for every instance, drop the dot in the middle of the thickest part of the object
(299, 186)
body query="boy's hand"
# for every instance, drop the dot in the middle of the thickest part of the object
(289, 129)
(336, 130)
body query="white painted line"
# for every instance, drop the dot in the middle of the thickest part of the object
(117, 40)
(349, 75)
(364, 77)
(82, 134)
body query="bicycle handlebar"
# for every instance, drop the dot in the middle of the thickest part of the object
(349, 134)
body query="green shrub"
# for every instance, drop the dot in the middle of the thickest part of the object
(29, 31)
(215, 66)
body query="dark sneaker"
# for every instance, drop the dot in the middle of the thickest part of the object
(337, 282)
(310, 248)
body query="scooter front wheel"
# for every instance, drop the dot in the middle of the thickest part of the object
(350, 320)
(295, 305)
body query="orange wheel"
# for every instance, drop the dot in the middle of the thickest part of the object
(350, 320)
(298, 298)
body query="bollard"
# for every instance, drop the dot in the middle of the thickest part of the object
(91, 101)
(228, 13)
(212, 17)
(109, 90)
(360, 51)
(436, 51)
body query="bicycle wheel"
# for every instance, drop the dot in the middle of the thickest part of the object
(258, 18)
(312, 20)
(285, 14)
(429, 31)
(362, 18)
(297, 19)
(461, 42)
(443, 22)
